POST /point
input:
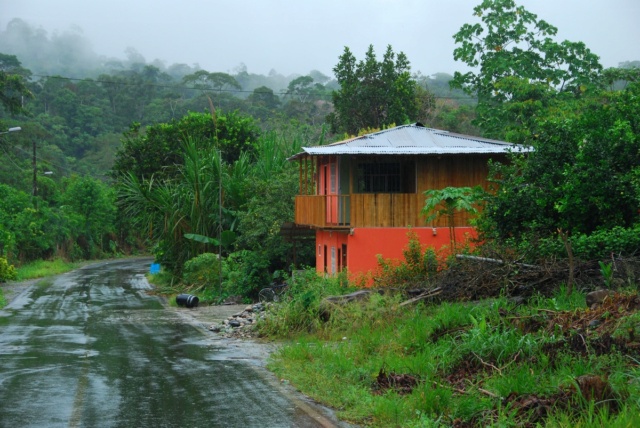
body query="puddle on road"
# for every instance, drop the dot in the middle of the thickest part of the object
(93, 349)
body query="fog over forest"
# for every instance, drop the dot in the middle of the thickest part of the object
(70, 54)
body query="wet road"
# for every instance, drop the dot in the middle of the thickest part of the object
(92, 349)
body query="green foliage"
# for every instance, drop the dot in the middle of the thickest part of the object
(157, 152)
(78, 123)
(597, 245)
(606, 269)
(520, 65)
(246, 272)
(201, 272)
(13, 84)
(582, 177)
(373, 94)
(200, 238)
(419, 266)
(300, 311)
(486, 349)
(90, 208)
(513, 42)
(447, 114)
(27, 233)
(7, 271)
(446, 202)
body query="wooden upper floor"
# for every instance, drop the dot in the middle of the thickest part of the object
(380, 191)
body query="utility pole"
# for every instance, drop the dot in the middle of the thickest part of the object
(35, 172)
(220, 222)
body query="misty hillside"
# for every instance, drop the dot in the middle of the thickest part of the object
(84, 101)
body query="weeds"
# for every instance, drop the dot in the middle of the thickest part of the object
(42, 268)
(490, 363)
(606, 269)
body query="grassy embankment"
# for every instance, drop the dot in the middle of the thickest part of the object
(549, 362)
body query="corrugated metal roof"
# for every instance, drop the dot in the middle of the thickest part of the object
(413, 140)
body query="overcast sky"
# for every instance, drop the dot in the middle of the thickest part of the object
(297, 36)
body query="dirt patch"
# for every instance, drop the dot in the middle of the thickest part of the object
(597, 330)
(469, 367)
(401, 383)
(533, 409)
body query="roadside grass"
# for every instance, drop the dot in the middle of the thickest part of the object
(487, 363)
(43, 268)
(165, 283)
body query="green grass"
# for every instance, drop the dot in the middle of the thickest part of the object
(472, 362)
(40, 269)
(44, 268)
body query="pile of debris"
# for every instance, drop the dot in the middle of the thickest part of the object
(242, 323)
(476, 278)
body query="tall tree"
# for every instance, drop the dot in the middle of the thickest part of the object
(13, 84)
(583, 176)
(157, 150)
(216, 81)
(373, 93)
(514, 49)
(90, 206)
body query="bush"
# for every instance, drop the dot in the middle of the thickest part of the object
(600, 244)
(246, 272)
(7, 271)
(301, 309)
(418, 267)
(201, 271)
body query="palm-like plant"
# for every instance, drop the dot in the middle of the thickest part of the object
(446, 202)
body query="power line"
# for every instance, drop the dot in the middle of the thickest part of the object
(181, 87)
(11, 160)
(48, 162)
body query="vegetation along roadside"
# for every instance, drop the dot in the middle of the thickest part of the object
(193, 167)
(550, 359)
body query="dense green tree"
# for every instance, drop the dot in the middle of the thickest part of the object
(90, 206)
(263, 103)
(13, 84)
(301, 88)
(216, 81)
(512, 49)
(26, 233)
(157, 150)
(373, 93)
(582, 177)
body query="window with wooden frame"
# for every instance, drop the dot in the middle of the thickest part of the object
(386, 175)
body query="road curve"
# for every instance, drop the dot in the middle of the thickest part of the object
(91, 348)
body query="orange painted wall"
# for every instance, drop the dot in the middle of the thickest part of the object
(326, 242)
(364, 244)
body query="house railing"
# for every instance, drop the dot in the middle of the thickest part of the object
(366, 210)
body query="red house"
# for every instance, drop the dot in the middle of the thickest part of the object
(363, 195)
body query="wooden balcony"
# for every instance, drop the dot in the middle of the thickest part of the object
(366, 210)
